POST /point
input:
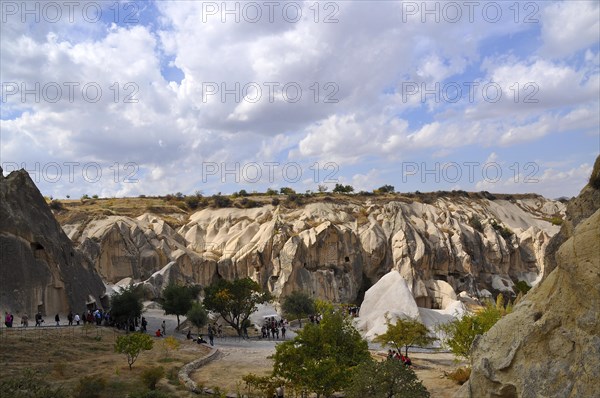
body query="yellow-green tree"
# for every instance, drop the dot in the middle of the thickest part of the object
(405, 333)
(132, 345)
(461, 333)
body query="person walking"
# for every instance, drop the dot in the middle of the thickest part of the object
(76, 318)
(163, 326)
(211, 335)
(38, 319)
(70, 318)
(57, 320)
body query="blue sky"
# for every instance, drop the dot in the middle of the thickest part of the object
(128, 98)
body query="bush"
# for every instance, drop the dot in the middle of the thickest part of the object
(151, 376)
(389, 378)
(56, 205)
(90, 387)
(293, 200)
(460, 375)
(219, 201)
(556, 221)
(475, 223)
(29, 385)
(192, 202)
(287, 191)
(505, 232)
(522, 287)
(248, 203)
(149, 394)
(275, 202)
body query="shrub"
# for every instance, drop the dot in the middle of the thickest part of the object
(475, 223)
(170, 344)
(287, 191)
(505, 232)
(56, 205)
(275, 202)
(220, 201)
(270, 192)
(149, 394)
(460, 375)
(151, 376)
(389, 378)
(556, 221)
(192, 202)
(521, 287)
(293, 200)
(248, 203)
(90, 387)
(29, 385)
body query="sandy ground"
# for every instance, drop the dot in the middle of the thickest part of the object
(240, 357)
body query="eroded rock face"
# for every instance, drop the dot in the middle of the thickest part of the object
(40, 269)
(335, 251)
(122, 247)
(549, 346)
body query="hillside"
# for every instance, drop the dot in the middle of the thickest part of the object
(331, 246)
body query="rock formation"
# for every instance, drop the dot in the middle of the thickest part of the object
(549, 346)
(335, 251)
(40, 269)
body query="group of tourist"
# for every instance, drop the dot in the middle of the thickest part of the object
(397, 355)
(271, 328)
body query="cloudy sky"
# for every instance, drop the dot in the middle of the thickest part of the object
(128, 98)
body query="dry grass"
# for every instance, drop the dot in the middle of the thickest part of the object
(65, 355)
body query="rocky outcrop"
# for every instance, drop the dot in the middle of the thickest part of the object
(40, 269)
(578, 209)
(335, 251)
(549, 346)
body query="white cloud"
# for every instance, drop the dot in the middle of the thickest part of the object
(362, 62)
(569, 26)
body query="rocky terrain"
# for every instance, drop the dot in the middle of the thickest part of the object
(332, 249)
(549, 346)
(40, 269)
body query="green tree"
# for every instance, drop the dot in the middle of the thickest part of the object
(287, 191)
(234, 300)
(132, 345)
(460, 333)
(405, 333)
(126, 306)
(198, 316)
(321, 357)
(298, 305)
(385, 379)
(178, 299)
(339, 188)
(385, 189)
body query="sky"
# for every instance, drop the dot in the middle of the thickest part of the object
(128, 98)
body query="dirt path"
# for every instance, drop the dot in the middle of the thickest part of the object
(240, 357)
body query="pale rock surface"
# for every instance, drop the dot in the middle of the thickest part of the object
(390, 297)
(334, 251)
